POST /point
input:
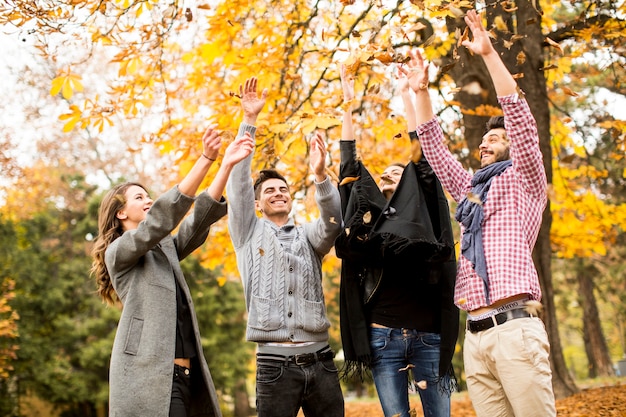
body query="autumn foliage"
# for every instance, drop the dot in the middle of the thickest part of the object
(123, 89)
(598, 401)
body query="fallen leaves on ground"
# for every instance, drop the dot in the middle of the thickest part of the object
(609, 401)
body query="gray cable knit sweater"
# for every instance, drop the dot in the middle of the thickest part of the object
(282, 286)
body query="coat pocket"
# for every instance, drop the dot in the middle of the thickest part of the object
(134, 336)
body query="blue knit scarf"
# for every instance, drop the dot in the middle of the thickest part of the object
(470, 214)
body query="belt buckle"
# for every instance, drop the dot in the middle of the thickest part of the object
(304, 359)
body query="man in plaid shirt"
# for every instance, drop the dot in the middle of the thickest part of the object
(506, 346)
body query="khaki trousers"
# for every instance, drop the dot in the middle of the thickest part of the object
(507, 369)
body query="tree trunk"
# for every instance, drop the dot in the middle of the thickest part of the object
(562, 381)
(600, 363)
(242, 400)
(524, 59)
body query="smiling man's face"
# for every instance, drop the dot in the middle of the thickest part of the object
(274, 198)
(494, 147)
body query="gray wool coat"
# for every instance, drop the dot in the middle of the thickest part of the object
(144, 267)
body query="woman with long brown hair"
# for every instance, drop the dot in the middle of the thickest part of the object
(157, 364)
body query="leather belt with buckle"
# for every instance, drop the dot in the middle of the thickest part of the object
(304, 359)
(476, 326)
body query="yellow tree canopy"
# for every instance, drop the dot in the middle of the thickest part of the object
(170, 68)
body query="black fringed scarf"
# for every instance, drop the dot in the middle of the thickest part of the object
(414, 228)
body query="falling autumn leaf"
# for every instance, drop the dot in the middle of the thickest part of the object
(500, 24)
(549, 67)
(554, 45)
(464, 36)
(473, 198)
(348, 180)
(570, 92)
(416, 27)
(422, 384)
(533, 307)
(375, 89)
(509, 6)
(384, 57)
(290, 76)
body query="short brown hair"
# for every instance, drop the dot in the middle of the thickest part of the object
(264, 175)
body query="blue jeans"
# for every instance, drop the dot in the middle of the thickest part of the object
(283, 388)
(394, 351)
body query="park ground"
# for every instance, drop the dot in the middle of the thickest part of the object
(592, 401)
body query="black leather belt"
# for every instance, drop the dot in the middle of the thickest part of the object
(304, 359)
(476, 326)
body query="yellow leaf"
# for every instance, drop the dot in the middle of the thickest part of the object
(57, 84)
(71, 118)
(66, 84)
(348, 180)
(308, 126)
(281, 128)
(324, 122)
(500, 25)
(279, 147)
(67, 91)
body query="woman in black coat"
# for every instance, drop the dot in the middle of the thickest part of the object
(398, 319)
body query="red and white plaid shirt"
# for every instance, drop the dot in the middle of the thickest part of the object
(512, 212)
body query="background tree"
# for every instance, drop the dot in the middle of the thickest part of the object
(588, 140)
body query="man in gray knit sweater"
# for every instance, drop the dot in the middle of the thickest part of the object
(280, 264)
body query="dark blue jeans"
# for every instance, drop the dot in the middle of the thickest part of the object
(283, 388)
(398, 351)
